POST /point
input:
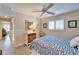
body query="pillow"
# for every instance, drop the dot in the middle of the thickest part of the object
(74, 41)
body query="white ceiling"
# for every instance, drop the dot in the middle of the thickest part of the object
(27, 8)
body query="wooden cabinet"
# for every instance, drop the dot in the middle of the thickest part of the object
(31, 37)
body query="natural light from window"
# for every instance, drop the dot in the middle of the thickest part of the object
(56, 25)
(59, 25)
(51, 25)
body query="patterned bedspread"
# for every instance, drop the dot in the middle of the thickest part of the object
(48, 45)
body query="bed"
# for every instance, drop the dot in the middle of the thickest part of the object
(51, 45)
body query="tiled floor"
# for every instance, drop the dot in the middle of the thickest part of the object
(8, 49)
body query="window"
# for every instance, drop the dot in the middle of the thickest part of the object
(56, 25)
(59, 25)
(7, 27)
(51, 25)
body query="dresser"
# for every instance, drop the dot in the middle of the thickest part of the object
(31, 37)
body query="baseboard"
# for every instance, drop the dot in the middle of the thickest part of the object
(20, 44)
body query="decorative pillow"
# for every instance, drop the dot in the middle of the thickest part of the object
(74, 41)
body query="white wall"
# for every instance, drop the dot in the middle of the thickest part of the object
(19, 25)
(68, 32)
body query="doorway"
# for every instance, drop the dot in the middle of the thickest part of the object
(7, 28)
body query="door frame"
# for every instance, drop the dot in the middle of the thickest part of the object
(11, 20)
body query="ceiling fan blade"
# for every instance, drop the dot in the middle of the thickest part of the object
(50, 13)
(49, 6)
(36, 11)
(42, 14)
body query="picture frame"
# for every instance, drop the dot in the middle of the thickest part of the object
(72, 24)
(29, 24)
(45, 25)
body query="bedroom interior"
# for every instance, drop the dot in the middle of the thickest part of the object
(41, 29)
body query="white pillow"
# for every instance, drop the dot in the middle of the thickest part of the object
(74, 41)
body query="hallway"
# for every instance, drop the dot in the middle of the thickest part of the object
(8, 49)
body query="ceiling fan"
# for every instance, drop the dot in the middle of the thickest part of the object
(45, 9)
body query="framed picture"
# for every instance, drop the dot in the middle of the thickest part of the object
(72, 24)
(45, 25)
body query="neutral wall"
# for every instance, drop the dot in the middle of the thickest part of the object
(68, 32)
(19, 27)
